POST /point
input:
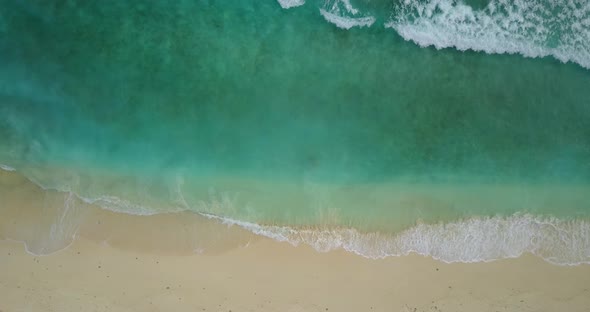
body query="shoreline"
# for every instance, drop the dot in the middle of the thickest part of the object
(48, 221)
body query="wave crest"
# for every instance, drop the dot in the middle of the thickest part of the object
(532, 28)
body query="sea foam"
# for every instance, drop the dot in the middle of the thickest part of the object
(286, 4)
(6, 168)
(475, 239)
(532, 28)
(347, 22)
(342, 14)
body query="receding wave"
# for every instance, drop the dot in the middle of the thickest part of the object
(471, 240)
(6, 168)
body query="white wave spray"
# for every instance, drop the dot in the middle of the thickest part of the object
(471, 240)
(342, 14)
(286, 4)
(6, 168)
(533, 28)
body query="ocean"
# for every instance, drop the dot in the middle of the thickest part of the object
(454, 129)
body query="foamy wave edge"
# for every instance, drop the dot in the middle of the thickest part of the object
(6, 168)
(287, 4)
(531, 28)
(519, 27)
(347, 22)
(111, 203)
(478, 239)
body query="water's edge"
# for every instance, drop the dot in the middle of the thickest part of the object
(476, 239)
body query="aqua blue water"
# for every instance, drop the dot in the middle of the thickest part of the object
(367, 115)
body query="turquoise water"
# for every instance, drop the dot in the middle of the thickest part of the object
(372, 116)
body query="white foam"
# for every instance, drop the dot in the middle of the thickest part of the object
(532, 28)
(6, 168)
(347, 22)
(471, 240)
(286, 4)
(342, 14)
(348, 6)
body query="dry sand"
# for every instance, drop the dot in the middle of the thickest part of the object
(272, 276)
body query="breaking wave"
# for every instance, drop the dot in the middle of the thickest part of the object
(532, 28)
(347, 22)
(342, 14)
(285, 4)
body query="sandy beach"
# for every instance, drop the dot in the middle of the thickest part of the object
(266, 275)
(295, 156)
